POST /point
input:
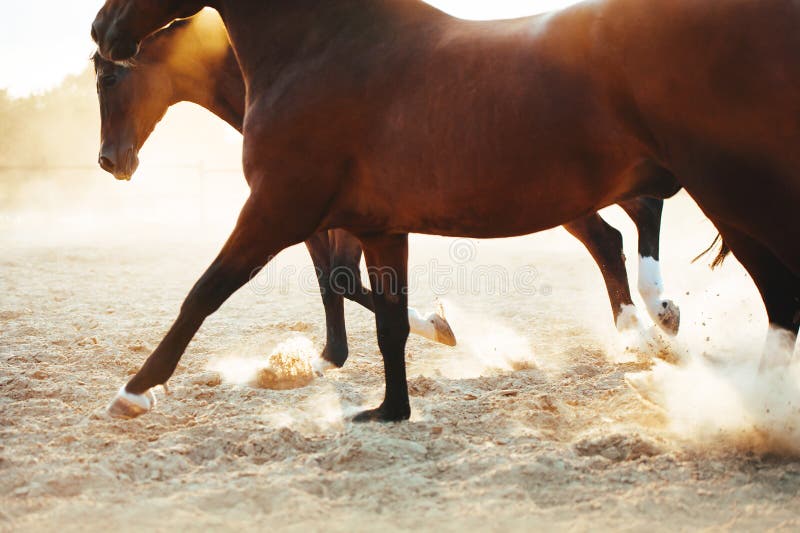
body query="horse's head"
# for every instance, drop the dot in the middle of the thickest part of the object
(121, 25)
(133, 98)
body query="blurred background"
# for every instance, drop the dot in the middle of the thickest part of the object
(49, 129)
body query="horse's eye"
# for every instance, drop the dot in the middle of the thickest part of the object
(108, 80)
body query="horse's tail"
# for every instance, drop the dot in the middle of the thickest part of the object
(724, 252)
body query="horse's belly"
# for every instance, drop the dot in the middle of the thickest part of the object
(504, 212)
(464, 198)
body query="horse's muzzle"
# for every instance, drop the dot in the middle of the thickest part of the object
(122, 167)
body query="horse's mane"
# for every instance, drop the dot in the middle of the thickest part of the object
(166, 31)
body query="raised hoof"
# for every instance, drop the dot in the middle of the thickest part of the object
(669, 317)
(126, 405)
(444, 333)
(383, 414)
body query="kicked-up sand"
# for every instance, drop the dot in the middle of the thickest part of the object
(528, 424)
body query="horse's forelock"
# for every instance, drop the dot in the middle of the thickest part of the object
(99, 60)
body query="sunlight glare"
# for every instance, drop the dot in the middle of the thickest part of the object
(498, 9)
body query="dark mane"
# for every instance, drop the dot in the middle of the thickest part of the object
(166, 31)
(98, 60)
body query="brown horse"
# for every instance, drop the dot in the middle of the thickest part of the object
(386, 117)
(191, 60)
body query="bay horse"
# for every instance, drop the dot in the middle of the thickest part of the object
(385, 117)
(191, 60)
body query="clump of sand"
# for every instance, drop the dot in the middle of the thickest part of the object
(288, 366)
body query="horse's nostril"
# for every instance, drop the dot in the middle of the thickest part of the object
(106, 164)
(94, 33)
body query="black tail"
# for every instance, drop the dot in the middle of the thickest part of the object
(723, 253)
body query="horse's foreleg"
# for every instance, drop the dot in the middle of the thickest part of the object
(335, 352)
(248, 249)
(646, 214)
(778, 286)
(605, 244)
(387, 264)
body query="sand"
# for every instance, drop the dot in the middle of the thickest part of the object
(527, 424)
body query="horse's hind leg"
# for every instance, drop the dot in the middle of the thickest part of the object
(779, 287)
(335, 352)
(605, 244)
(646, 214)
(251, 245)
(346, 279)
(387, 264)
(346, 270)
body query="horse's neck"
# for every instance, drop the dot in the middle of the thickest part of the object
(291, 32)
(212, 79)
(229, 93)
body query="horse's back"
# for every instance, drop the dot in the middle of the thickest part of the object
(718, 84)
(727, 72)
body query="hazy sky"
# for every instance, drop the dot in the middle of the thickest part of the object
(41, 41)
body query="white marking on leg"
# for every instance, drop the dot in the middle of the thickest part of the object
(432, 326)
(129, 405)
(421, 326)
(651, 286)
(628, 318)
(637, 340)
(650, 283)
(320, 366)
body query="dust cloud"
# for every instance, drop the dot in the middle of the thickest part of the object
(530, 420)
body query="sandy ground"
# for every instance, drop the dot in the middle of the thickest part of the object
(527, 424)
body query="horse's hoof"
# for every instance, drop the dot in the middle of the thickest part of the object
(384, 414)
(126, 405)
(335, 354)
(432, 326)
(669, 317)
(320, 366)
(444, 333)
